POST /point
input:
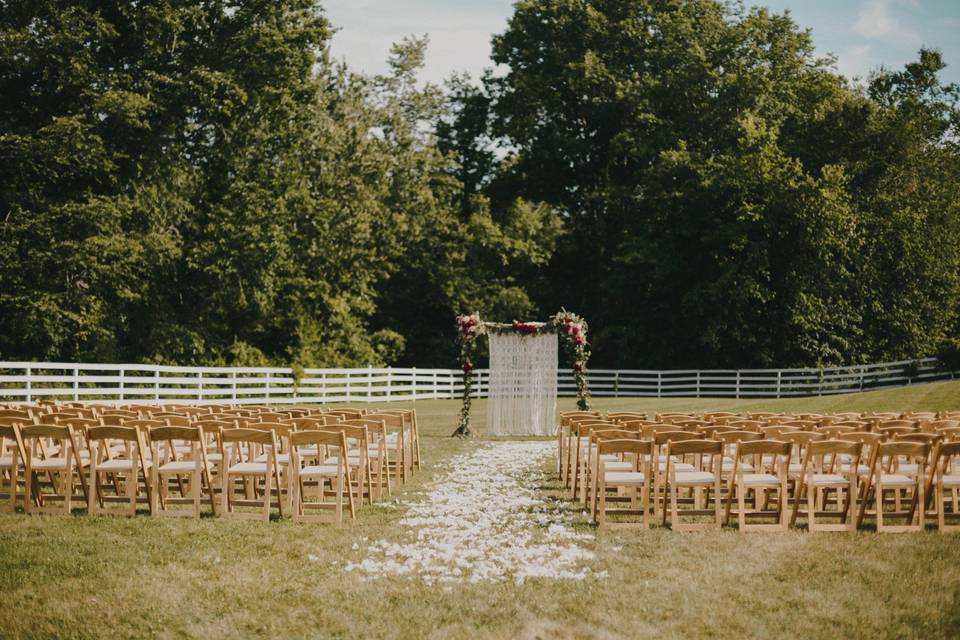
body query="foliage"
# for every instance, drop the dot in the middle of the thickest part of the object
(729, 199)
(201, 184)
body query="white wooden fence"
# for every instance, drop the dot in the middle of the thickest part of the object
(131, 383)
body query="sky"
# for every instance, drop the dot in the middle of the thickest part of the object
(862, 34)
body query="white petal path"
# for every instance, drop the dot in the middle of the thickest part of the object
(483, 520)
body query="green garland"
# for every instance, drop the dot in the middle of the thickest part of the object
(565, 324)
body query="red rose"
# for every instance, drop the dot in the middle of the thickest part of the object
(578, 366)
(578, 340)
(467, 366)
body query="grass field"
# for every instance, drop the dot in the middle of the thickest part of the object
(92, 577)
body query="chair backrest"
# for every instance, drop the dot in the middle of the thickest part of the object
(634, 422)
(623, 416)
(252, 436)
(833, 431)
(733, 437)
(945, 452)
(834, 447)
(318, 437)
(888, 424)
(145, 424)
(127, 434)
(666, 437)
(915, 450)
(584, 428)
(625, 445)
(567, 416)
(390, 420)
(774, 431)
(760, 415)
(688, 447)
(15, 414)
(186, 434)
(692, 425)
(803, 425)
(892, 432)
(347, 412)
(747, 425)
(763, 447)
(616, 434)
(62, 433)
(919, 436)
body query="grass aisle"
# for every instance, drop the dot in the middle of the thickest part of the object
(484, 519)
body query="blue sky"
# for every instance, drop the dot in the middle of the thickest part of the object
(863, 34)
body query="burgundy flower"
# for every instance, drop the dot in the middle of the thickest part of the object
(467, 366)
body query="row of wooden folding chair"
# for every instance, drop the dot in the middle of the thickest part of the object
(828, 465)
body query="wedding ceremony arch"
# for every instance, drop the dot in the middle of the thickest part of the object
(523, 371)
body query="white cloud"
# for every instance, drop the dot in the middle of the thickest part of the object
(459, 33)
(876, 20)
(855, 61)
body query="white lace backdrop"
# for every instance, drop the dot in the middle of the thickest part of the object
(523, 385)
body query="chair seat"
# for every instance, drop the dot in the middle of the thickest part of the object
(694, 477)
(828, 479)
(862, 469)
(282, 458)
(351, 461)
(117, 464)
(49, 463)
(249, 467)
(908, 468)
(623, 477)
(6, 462)
(897, 480)
(319, 470)
(214, 457)
(951, 481)
(681, 467)
(178, 466)
(727, 467)
(617, 465)
(760, 480)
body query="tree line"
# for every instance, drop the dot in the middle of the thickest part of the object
(201, 183)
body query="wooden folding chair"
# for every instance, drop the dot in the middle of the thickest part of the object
(614, 462)
(565, 439)
(398, 437)
(9, 463)
(944, 486)
(818, 476)
(748, 477)
(410, 418)
(242, 466)
(192, 465)
(580, 452)
(696, 479)
(125, 467)
(329, 445)
(632, 485)
(49, 449)
(660, 438)
(358, 468)
(914, 451)
(378, 453)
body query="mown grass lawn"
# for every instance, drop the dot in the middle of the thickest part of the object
(85, 577)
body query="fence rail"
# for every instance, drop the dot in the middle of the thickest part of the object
(132, 383)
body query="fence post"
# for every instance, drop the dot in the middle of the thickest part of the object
(199, 386)
(267, 389)
(737, 391)
(616, 383)
(779, 374)
(369, 382)
(659, 382)
(413, 382)
(698, 383)
(76, 385)
(863, 370)
(435, 389)
(156, 386)
(453, 377)
(233, 384)
(122, 385)
(389, 383)
(29, 385)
